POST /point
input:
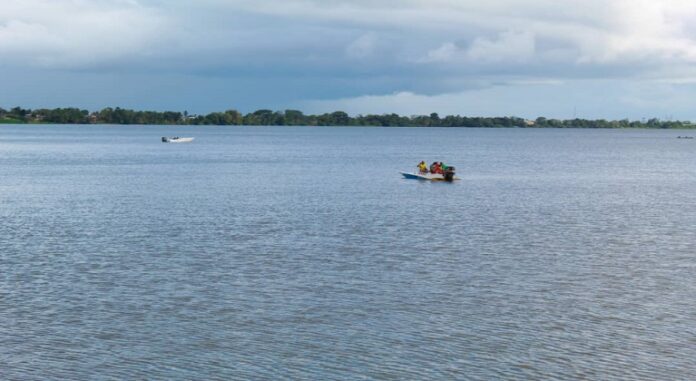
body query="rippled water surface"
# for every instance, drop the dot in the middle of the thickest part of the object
(300, 253)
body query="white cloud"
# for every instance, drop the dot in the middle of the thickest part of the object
(657, 31)
(445, 53)
(65, 33)
(477, 101)
(508, 46)
(362, 47)
(610, 99)
(646, 34)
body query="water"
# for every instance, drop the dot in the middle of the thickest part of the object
(300, 253)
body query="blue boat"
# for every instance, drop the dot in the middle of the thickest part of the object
(429, 176)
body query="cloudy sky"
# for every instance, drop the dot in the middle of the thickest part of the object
(557, 58)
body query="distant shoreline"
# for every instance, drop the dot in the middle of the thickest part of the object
(683, 128)
(119, 116)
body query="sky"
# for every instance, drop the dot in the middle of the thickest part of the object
(609, 59)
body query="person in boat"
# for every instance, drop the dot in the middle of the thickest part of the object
(422, 167)
(437, 168)
(432, 167)
(443, 167)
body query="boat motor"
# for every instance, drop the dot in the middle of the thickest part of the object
(449, 174)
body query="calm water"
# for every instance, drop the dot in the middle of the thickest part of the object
(300, 253)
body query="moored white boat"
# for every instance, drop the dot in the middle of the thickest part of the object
(176, 139)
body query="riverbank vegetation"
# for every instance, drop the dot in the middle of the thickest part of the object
(18, 115)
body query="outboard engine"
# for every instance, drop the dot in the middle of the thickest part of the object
(449, 174)
(164, 139)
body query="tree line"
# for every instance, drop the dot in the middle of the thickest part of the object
(298, 118)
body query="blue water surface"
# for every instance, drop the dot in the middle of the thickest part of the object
(289, 253)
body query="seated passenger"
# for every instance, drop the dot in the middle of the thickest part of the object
(422, 168)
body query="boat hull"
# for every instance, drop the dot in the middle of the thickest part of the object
(177, 140)
(425, 176)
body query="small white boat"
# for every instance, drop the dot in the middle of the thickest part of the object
(176, 139)
(427, 176)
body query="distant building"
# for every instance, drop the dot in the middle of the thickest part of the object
(529, 123)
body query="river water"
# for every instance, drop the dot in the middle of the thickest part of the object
(300, 253)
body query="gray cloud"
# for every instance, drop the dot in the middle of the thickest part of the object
(323, 33)
(336, 49)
